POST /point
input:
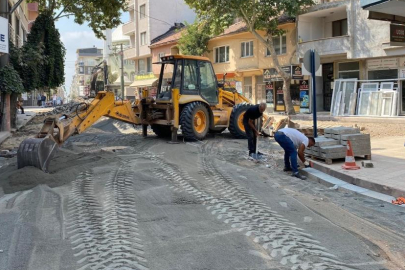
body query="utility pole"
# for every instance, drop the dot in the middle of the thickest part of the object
(122, 71)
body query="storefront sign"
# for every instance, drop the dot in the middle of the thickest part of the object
(297, 73)
(402, 62)
(382, 63)
(397, 37)
(402, 73)
(3, 35)
(304, 94)
(269, 94)
(144, 77)
(269, 74)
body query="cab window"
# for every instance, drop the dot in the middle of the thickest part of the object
(208, 82)
(190, 82)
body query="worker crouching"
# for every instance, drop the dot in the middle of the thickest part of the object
(292, 140)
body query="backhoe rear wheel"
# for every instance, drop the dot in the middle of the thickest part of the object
(236, 127)
(195, 121)
(162, 131)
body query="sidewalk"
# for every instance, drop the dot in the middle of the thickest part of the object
(388, 174)
(22, 120)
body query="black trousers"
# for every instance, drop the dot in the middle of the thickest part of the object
(251, 138)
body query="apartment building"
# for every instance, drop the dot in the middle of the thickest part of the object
(351, 45)
(20, 21)
(148, 20)
(114, 62)
(87, 59)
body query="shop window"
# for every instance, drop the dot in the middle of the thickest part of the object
(280, 45)
(143, 38)
(222, 54)
(383, 74)
(142, 11)
(349, 70)
(339, 28)
(247, 49)
(247, 87)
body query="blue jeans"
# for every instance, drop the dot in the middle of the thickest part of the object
(290, 152)
(251, 136)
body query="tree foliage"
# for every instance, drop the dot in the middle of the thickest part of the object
(194, 39)
(10, 81)
(25, 61)
(259, 15)
(44, 36)
(101, 14)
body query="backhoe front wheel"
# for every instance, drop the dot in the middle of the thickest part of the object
(236, 127)
(195, 121)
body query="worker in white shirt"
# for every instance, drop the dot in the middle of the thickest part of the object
(294, 143)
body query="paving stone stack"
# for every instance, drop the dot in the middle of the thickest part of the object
(333, 144)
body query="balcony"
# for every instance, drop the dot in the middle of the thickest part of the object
(128, 28)
(326, 46)
(131, 4)
(130, 54)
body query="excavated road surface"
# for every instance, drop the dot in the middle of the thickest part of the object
(114, 200)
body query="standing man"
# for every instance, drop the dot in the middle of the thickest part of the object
(290, 140)
(43, 100)
(54, 100)
(253, 113)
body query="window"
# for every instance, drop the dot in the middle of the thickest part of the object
(222, 54)
(339, 28)
(81, 70)
(280, 45)
(349, 70)
(149, 64)
(208, 84)
(161, 55)
(247, 49)
(141, 66)
(190, 76)
(89, 70)
(143, 38)
(142, 11)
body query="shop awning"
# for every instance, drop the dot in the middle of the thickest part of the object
(144, 83)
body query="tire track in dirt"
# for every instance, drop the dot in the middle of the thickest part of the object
(105, 235)
(229, 201)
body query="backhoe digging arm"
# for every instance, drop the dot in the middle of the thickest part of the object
(38, 151)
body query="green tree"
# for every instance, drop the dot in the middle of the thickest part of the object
(259, 15)
(10, 84)
(101, 14)
(194, 39)
(44, 35)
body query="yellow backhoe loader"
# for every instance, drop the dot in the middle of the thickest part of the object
(188, 97)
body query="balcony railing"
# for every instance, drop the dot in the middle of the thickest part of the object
(128, 28)
(326, 46)
(130, 53)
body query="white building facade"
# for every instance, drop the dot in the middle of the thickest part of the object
(350, 46)
(148, 20)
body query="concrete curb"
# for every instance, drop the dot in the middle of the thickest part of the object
(331, 181)
(24, 119)
(380, 188)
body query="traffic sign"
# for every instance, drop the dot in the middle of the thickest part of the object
(307, 61)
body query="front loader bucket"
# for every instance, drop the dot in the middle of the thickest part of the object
(36, 152)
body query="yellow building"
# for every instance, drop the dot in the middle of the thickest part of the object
(245, 59)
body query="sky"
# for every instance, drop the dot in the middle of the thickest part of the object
(76, 36)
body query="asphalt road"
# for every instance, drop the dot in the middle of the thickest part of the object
(114, 200)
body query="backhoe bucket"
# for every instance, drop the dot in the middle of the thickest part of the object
(36, 152)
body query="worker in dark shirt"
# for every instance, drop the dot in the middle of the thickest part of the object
(249, 118)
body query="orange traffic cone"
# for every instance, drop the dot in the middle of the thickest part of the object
(350, 162)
